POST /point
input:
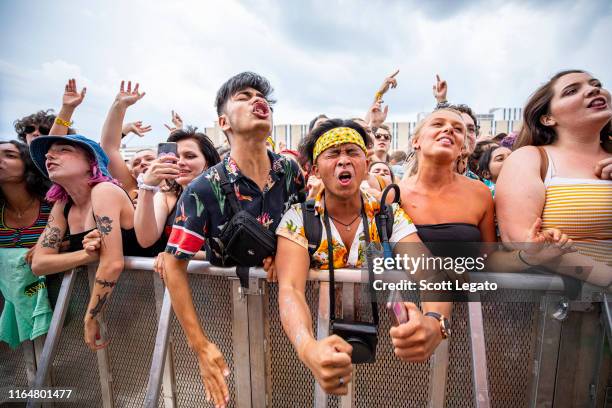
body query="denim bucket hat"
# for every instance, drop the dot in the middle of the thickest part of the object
(40, 146)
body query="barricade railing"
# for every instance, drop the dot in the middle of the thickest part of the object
(251, 343)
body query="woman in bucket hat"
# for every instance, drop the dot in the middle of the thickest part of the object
(85, 198)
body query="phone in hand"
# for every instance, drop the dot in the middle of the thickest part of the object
(396, 308)
(167, 149)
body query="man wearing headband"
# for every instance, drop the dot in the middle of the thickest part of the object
(337, 150)
(265, 186)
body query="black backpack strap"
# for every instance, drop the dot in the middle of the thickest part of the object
(385, 217)
(312, 226)
(230, 194)
(227, 187)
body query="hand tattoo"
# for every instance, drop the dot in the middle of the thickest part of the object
(105, 283)
(51, 237)
(98, 307)
(104, 224)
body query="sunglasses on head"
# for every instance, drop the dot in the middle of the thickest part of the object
(385, 136)
(42, 129)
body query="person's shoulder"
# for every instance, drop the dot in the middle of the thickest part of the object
(107, 187)
(526, 154)
(476, 187)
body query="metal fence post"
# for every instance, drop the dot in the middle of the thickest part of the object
(320, 397)
(438, 373)
(240, 335)
(106, 378)
(53, 335)
(162, 360)
(348, 313)
(257, 305)
(479, 355)
(546, 354)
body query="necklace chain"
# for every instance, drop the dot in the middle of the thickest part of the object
(349, 225)
(18, 213)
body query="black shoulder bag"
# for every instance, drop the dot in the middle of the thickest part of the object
(363, 336)
(245, 241)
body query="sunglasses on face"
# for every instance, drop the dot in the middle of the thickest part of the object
(385, 136)
(42, 129)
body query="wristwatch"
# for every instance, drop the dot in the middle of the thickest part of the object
(445, 327)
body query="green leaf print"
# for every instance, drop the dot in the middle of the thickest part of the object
(199, 204)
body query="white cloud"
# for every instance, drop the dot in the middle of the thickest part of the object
(321, 57)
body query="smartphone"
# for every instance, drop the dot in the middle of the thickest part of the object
(396, 308)
(166, 149)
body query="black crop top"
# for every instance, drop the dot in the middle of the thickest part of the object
(128, 238)
(450, 239)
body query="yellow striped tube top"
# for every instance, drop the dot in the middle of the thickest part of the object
(582, 209)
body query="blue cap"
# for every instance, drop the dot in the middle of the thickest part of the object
(40, 146)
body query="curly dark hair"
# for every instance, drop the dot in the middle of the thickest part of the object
(211, 155)
(41, 118)
(482, 169)
(37, 185)
(307, 144)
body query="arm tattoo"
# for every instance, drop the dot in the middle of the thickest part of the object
(51, 237)
(98, 307)
(105, 283)
(104, 224)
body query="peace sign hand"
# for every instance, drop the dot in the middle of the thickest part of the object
(440, 89)
(177, 121)
(128, 97)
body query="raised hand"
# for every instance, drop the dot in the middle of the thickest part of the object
(389, 82)
(440, 89)
(162, 168)
(177, 123)
(126, 96)
(72, 98)
(377, 115)
(136, 128)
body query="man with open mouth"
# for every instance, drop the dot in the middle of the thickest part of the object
(337, 151)
(265, 185)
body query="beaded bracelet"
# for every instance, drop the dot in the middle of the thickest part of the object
(62, 122)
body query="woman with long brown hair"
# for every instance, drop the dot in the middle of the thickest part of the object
(560, 171)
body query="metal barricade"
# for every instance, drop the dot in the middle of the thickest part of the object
(500, 355)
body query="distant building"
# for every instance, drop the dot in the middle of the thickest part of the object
(498, 120)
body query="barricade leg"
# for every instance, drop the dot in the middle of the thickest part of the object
(250, 329)
(162, 367)
(479, 356)
(348, 313)
(106, 378)
(47, 356)
(320, 397)
(438, 370)
(546, 354)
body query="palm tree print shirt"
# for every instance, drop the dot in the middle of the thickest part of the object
(202, 211)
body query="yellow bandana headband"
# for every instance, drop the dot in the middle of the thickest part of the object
(336, 137)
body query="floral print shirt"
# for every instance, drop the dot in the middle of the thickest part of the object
(292, 228)
(202, 210)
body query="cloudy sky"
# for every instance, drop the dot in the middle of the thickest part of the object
(321, 56)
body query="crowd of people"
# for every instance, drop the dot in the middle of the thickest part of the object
(544, 192)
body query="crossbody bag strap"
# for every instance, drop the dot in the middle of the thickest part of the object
(228, 189)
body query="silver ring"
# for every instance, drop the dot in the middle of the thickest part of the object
(341, 381)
